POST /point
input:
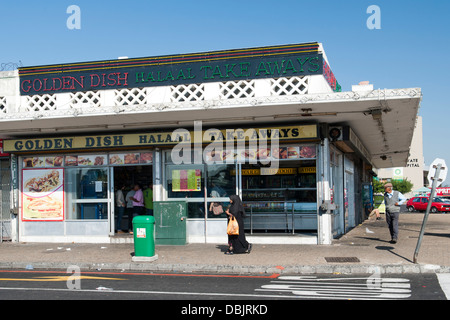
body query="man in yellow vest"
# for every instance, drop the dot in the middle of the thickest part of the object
(148, 200)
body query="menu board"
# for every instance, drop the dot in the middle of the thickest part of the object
(41, 162)
(87, 160)
(254, 154)
(187, 180)
(131, 158)
(43, 194)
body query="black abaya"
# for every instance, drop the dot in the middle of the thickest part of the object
(238, 243)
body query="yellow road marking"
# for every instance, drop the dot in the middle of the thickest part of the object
(59, 278)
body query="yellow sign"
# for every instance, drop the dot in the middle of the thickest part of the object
(307, 170)
(272, 171)
(251, 172)
(145, 140)
(265, 171)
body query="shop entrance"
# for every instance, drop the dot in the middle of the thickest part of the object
(129, 176)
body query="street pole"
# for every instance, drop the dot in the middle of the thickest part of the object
(425, 218)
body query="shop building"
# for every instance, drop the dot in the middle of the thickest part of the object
(414, 169)
(270, 124)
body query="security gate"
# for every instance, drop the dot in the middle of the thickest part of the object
(5, 192)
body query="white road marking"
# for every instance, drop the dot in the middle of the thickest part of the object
(341, 288)
(444, 281)
(156, 292)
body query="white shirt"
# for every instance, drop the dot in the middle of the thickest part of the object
(401, 197)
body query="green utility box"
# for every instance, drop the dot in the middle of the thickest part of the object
(170, 222)
(144, 238)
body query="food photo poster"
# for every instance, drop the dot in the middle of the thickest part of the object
(43, 195)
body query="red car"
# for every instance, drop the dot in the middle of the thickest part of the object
(420, 204)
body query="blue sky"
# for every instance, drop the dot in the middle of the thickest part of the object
(410, 50)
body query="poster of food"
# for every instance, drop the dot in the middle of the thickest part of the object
(55, 161)
(213, 156)
(279, 153)
(246, 154)
(33, 162)
(308, 152)
(146, 157)
(91, 160)
(293, 152)
(131, 158)
(71, 161)
(42, 194)
(116, 159)
(186, 180)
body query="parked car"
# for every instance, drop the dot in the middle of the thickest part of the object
(421, 203)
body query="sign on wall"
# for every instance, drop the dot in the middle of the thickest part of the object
(397, 174)
(186, 180)
(56, 144)
(43, 195)
(227, 65)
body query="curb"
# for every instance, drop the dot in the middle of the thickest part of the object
(233, 269)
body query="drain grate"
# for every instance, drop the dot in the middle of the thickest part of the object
(341, 259)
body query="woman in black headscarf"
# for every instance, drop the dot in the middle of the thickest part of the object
(238, 244)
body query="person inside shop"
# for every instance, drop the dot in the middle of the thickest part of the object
(216, 192)
(120, 207)
(138, 202)
(148, 199)
(130, 207)
(238, 243)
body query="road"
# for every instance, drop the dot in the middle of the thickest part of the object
(63, 285)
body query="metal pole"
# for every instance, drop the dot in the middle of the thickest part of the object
(425, 218)
(293, 207)
(251, 219)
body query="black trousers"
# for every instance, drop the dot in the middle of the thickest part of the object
(133, 212)
(392, 221)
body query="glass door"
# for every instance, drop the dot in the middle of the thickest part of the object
(336, 185)
(349, 194)
(87, 193)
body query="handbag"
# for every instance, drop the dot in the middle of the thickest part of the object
(233, 227)
(217, 209)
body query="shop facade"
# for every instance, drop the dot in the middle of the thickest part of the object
(269, 124)
(69, 196)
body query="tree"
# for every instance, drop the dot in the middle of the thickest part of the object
(378, 186)
(403, 186)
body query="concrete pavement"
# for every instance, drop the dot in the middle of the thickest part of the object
(367, 246)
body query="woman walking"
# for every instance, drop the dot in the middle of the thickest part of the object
(238, 243)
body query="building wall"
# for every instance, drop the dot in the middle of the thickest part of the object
(414, 169)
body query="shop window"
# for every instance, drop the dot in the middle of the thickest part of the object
(185, 181)
(221, 184)
(292, 188)
(87, 193)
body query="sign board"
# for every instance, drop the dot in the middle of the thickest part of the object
(2, 154)
(153, 139)
(227, 65)
(398, 174)
(442, 173)
(442, 192)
